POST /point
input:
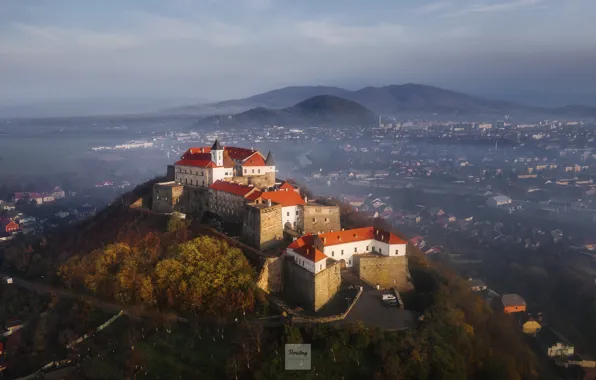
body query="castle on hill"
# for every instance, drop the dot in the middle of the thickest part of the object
(239, 185)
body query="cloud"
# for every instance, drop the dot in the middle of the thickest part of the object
(257, 4)
(433, 7)
(200, 49)
(497, 7)
(335, 34)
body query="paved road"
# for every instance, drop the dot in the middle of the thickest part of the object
(372, 311)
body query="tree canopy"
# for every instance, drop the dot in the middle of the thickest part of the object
(203, 275)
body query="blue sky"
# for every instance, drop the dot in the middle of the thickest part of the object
(217, 49)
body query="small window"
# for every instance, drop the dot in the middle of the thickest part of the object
(288, 213)
(342, 252)
(355, 249)
(320, 266)
(296, 212)
(396, 252)
(314, 220)
(380, 250)
(326, 220)
(349, 262)
(332, 253)
(253, 171)
(259, 170)
(367, 248)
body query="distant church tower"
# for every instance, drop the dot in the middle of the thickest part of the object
(217, 153)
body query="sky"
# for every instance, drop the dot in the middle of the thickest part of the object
(222, 49)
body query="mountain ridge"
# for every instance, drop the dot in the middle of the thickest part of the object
(319, 109)
(405, 99)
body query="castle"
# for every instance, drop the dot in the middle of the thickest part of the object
(202, 167)
(239, 186)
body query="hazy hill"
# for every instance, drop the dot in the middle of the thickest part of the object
(388, 100)
(321, 109)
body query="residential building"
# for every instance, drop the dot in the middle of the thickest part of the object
(554, 344)
(531, 327)
(499, 200)
(476, 285)
(8, 225)
(513, 303)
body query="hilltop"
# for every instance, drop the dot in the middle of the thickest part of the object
(406, 99)
(320, 109)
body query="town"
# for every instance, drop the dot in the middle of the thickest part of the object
(488, 198)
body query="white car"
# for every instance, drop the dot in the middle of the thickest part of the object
(389, 297)
(7, 280)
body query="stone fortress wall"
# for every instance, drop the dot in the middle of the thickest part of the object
(311, 292)
(261, 225)
(385, 271)
(319, 218)
(259, 181)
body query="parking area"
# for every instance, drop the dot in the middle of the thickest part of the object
(372, 311)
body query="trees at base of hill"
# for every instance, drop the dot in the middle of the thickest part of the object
(203, 275)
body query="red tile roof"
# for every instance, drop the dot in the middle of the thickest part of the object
(196, 163)
(350, 236)
(286, 185)
(233, 188)
(302, 241)
(194, 151)
(254, 195)
(284, 197)
(8, 225)
(254, 160)
(200, 157)
(239, 153)
(311, 253)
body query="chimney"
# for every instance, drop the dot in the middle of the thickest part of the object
(306, 199)
(324, 240)
(269, 202)
(343, 229)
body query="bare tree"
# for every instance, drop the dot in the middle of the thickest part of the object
(256, 333)
(232, 367)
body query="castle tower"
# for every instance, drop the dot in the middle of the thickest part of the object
(217, 153)
(269, 161)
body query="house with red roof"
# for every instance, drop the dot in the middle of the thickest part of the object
(8, 226)
(344, 245)
(203, 166)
